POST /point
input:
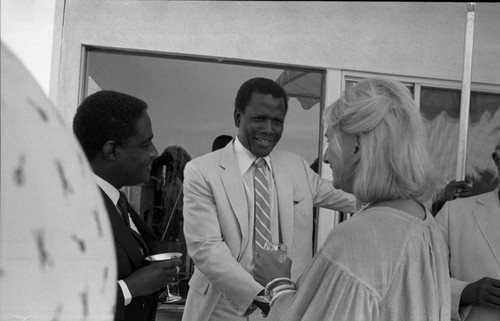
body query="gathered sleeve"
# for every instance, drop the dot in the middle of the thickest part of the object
(327, 292)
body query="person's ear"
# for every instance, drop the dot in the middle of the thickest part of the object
(237, 117)
(110, 150)
(357, 146)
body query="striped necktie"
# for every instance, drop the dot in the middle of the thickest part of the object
(262, 204)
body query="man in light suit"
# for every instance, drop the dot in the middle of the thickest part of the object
(472, 229)
(115, 132)
(220, 209)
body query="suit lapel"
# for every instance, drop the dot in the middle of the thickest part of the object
(235, 191)
(284, 191)
(487, 214)
(122, 235)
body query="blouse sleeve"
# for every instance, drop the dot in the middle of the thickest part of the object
(327, 291)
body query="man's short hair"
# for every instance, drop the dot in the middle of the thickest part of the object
(106, 115)
(262, 86)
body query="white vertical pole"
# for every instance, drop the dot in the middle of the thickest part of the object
(466, 87)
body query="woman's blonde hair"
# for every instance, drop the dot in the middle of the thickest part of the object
(394, 161)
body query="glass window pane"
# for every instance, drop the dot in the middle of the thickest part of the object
(483, 136)
(190, 103)
(440, 109)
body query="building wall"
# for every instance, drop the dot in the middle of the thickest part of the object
(392, 38)
(411, 39)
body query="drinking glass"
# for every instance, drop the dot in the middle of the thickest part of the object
(170, 292)
(278, 249)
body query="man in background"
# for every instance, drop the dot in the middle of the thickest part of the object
(243, 195)
(115, 132)
(220, 142)
(472, 230)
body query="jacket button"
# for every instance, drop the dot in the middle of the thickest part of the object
(143, 305)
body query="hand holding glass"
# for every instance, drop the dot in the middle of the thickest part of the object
(171, 293)
(271, 262)
(278, 249)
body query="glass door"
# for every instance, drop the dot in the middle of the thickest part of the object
(191, 102)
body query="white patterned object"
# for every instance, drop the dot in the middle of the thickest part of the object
(57, 259)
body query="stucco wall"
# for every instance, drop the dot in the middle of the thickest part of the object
(413, 39)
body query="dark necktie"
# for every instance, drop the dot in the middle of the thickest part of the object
(262, 206)
(123, 208)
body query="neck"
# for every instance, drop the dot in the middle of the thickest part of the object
(410, 206)
(107, 176)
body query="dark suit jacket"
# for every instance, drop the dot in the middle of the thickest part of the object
(129, 259)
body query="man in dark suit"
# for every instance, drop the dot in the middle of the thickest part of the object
(115, 132)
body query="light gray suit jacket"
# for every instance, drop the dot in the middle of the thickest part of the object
(216, 224)
(472, 230)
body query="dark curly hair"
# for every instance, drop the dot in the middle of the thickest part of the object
(106, 115)
(258, 85)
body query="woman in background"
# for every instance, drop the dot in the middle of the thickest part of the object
(389, 261)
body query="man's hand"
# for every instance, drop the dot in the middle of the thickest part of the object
(456, 189)
(484, 292)
(152, 277)
(268, 267)
(451, 191)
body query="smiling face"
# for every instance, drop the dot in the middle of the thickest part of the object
(261, 124)
(342, 154)
(137, 154)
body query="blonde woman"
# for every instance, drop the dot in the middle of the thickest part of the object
(389, 261)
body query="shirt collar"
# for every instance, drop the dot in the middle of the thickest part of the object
(246, 158)
(109, 189)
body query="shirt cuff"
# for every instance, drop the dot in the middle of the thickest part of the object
(127, 297)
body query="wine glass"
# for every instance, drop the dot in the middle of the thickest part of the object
(170, 292)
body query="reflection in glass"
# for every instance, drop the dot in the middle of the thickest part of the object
(440, 109)
(483, 136)
(190, 103)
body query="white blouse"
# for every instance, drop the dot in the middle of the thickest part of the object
(382, 264)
